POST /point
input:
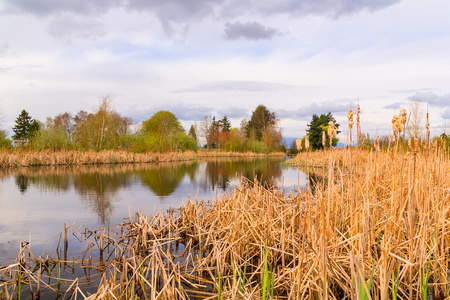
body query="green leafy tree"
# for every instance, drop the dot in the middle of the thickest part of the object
(25, 126)
(102, 130)
(51, 136)
(317, 126)
(163, 132)
(4, 141)
(162, 123)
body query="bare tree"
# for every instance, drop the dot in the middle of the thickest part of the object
(205, 129)
(3, 133)
(416, 112)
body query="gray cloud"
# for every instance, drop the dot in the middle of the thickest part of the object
(395, 105)
(308, 111)
(182, 111)
(234, 112)
(186, 12)
(413, 90)
(432, 98)
(238, 85)
(66, 28)
(297, 8)
(446, 114)
(49, 7)
(250, 31)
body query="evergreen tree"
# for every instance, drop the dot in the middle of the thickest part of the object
(225, 124)
(25, 126)
(317, 125)
(193, 132)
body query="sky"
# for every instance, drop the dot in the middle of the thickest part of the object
(200, 58)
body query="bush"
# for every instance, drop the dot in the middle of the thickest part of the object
(154, 143)
(257, 147)
(53, 138)
(4, 141)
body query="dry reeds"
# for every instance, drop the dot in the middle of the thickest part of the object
(14, 159)
(369, 227)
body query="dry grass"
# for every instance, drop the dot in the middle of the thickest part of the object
(213, 153)
(13, 159)
(20, 158)
(375, 226)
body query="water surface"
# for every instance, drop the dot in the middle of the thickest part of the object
(36, 202)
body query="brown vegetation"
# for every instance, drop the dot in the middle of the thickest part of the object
(375, 226)
(13, 159)
(19, 158)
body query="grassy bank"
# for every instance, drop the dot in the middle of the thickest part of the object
(375, 227)
(22, 158)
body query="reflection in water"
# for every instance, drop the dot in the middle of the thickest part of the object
(22, 183)
(98, 186)
(98, 190)
(164, 178)
(219, 172)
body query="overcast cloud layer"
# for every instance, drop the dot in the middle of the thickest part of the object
(199, 58)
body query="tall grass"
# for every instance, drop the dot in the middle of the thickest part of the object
(26, 158)
(370, 226)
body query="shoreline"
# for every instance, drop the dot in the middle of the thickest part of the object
(18, 159)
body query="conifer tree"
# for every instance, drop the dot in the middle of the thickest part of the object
(25, 126)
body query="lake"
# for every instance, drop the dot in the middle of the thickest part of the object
(36, 202)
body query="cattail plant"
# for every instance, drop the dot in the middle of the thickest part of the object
(416, 145)
(350, 125)
(331, 132)
(299, 144)
(358, 126)
(396, 126)
(377, 142)
(409, 142)
(307, 143)
(427, 126)
(323, 139)
(403, 118)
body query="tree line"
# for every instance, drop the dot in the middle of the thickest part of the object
(105, 128)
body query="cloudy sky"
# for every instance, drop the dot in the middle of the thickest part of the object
(215, 57)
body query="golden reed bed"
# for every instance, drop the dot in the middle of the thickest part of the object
(375, 226)
(19, 158)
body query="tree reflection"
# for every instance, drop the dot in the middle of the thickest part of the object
(22, 183)
(98, 186)
(98, 190)
(219, 172)
(164, 178)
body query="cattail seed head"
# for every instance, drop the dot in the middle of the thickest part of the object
(377, 142)
(299, 144)
(307, 143)
(358, 126)
(331, 129)
(416, 145)
(323, 138)
(403, 116)
(350, 119)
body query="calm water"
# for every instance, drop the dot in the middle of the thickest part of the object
(36, 202)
